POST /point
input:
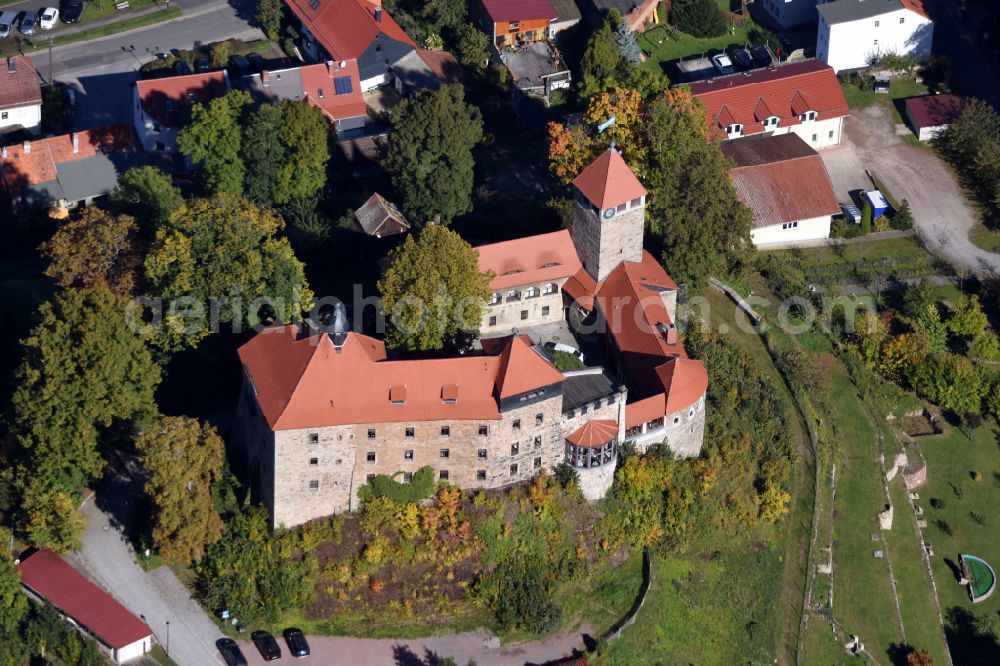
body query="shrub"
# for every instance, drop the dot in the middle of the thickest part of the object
(521, 597)
(866, 218)
(219, 55)
(421, 487)
(699, 18)
(902, 218)
(565, 361)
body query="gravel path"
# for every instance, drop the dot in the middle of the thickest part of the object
(942, 215)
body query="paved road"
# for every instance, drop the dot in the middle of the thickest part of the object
(941, 213)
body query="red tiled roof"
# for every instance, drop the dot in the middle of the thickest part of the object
(21, 168)
(20, 88)
(345, 28)
(522, 369)
(933, 110)
(181, 92)
(443, 65)
(529, 260)
(518, 10)
(581, 288)
(608, 181)
(788, 91)
(596, 432)
(51, 578)
(685, 381)
(917, 6)
(319, 77)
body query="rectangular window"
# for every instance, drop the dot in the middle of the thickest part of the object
(408, 454)
(876, 42)
(876, 24)
(484, 430)
(539, 418)
(443, 475)
(446, 431)
(370, 457)
(410, 433)
(445, 453)
(538, 441)
(480, 475)
(407, 477)
(314, 438)
(545, 311)
(370, 478)
(371, 433)
(621, 208)
(513, 469)
(538, 462)
(815, 138)
(829, 134)
(313, 462)
(635, 202)
(3, 116)
(902, 20)
(514, 448)
(514, 26)
(314, 485)
(482, 454)
(524, 315)
(493, 321)
(516, 425)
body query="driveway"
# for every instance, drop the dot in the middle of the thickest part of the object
(942, 215)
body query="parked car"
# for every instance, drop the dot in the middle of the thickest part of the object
(48, 18)
(7, 20)
(71, 10)
(266, 645)
(296, 642)
(29, 22)
(851, 213)
(231, 652)
(257, 60)
(761, 56)
(567, 349)
(723, 64)
(741, 59)
(239, 62)
(202, 65)
(182, 67)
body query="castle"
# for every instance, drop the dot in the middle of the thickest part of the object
(323, 411)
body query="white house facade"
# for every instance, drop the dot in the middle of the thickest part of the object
(853, 33)
(20, 96)
(814, 228)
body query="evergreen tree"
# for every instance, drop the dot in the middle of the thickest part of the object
(600, 61)
(430, 156)
(472, 47)
(263, 153)
(699, 18)
(13, 603)
(213, 138)
(305, 135)
(628, 44)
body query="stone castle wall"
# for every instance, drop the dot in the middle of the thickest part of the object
(603, 244)
(541, 309)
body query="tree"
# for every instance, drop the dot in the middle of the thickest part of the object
(918, 298)
(182, 458)
(305, 135)
(445, 13)
(993, 402)
(97, 249)
(919, 658)
(967, 319)
(433, 291)
(83, 369)
(13, 603)
(930, 326)
(522, 595)
(699, 18)
(213, 138)
(430, 156)
(263, 153)
(307, 229)
(472, 46)
(870, 332)
(220, 53)
(570, 150)
(223, 252)
(628, 44)
(901, 354)
(600, 60)
(50, 517)
(148, 195)
(269, 17)
(953, 382)
(866, 218)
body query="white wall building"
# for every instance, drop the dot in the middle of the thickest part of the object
(20, 95)
(161, 107)
(853, 33)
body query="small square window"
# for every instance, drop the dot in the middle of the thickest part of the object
(314, 438)
(371, 456)
(443, 475)
(514, 448)
(482, 454)
(407, 477)
(902, 20)
(314, 485)
(538, 462)
(493, 321)
(538, 441)
(524, 315)
(513, 469)
(545, 311)
(408, 454)
(313, 462)
(516, 425)
(410, 433)
(484, 430)
(446, 431)
(371, 433)
(815, 138)
(480, 475)
(370, 478)
(876, 24)
(445, 453)
(829, 134)
(539, 419)
(677, 420)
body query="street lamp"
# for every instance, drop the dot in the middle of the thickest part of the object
(168, 638)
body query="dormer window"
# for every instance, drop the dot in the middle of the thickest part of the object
(807, 116)
(449, 394)
(513, 295)
(770, 122)
(736, 129)
(397, 395)
(514, 26)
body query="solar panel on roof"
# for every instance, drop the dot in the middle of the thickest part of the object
(314, 5)
(342, 84)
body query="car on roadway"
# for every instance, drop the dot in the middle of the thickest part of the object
(296, 642)
(257, 60)
(722, 63)
(71, 10)
(29, 22)
(7, 20)
(741, 59)
(266, 645)
(761, 56)
(202, 65)
(231, 652)
(240, 63)
(47, 17)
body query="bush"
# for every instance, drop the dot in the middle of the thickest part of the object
(902, 219)
(420, 488)
(866, 218)
(565, 361)
(219, 55)
(699, 18)
(521, 596)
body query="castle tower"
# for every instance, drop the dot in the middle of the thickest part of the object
(608, 210)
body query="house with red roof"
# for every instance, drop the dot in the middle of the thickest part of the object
(360, 30)
(325, 409)
(20, 95)
(513, 22)
(332, 87)
(804, 98)
(852, 34)
(161, 107)
(48, 578)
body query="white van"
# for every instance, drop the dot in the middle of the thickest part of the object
(7, 20)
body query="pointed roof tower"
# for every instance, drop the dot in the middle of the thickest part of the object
(608, 181)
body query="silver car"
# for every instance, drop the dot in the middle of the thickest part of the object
(29, 22)
(7, 20)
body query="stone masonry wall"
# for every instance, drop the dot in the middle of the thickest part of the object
(508, 315)
(603, 244)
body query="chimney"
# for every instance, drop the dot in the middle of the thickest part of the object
(378, 14)
(265, 77)
(377, 3)
(3, 152)
(671, 335)
(11, 65)
(27, 147)
(330, 67)
(76, 142)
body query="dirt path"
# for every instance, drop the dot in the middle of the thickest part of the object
(941, 213)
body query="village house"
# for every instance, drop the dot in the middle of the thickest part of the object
(786, 185)
(929, 115)
(20, 96)
(636, 13)
(324, 409)
(513, 22)
(853, 34)
(358, 30)
(332, 87)
(425, 70)
(161, 107)
(804, 98)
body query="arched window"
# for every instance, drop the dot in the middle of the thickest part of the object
(531, 292)
(551, 288)
(512, 295)
(495, 298)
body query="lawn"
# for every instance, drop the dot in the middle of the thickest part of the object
(954, 503)
(986, 239)
(898, 89)
(661, 45)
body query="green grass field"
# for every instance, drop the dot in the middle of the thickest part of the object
(986, 239)
(660, 47)
(907, 248)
